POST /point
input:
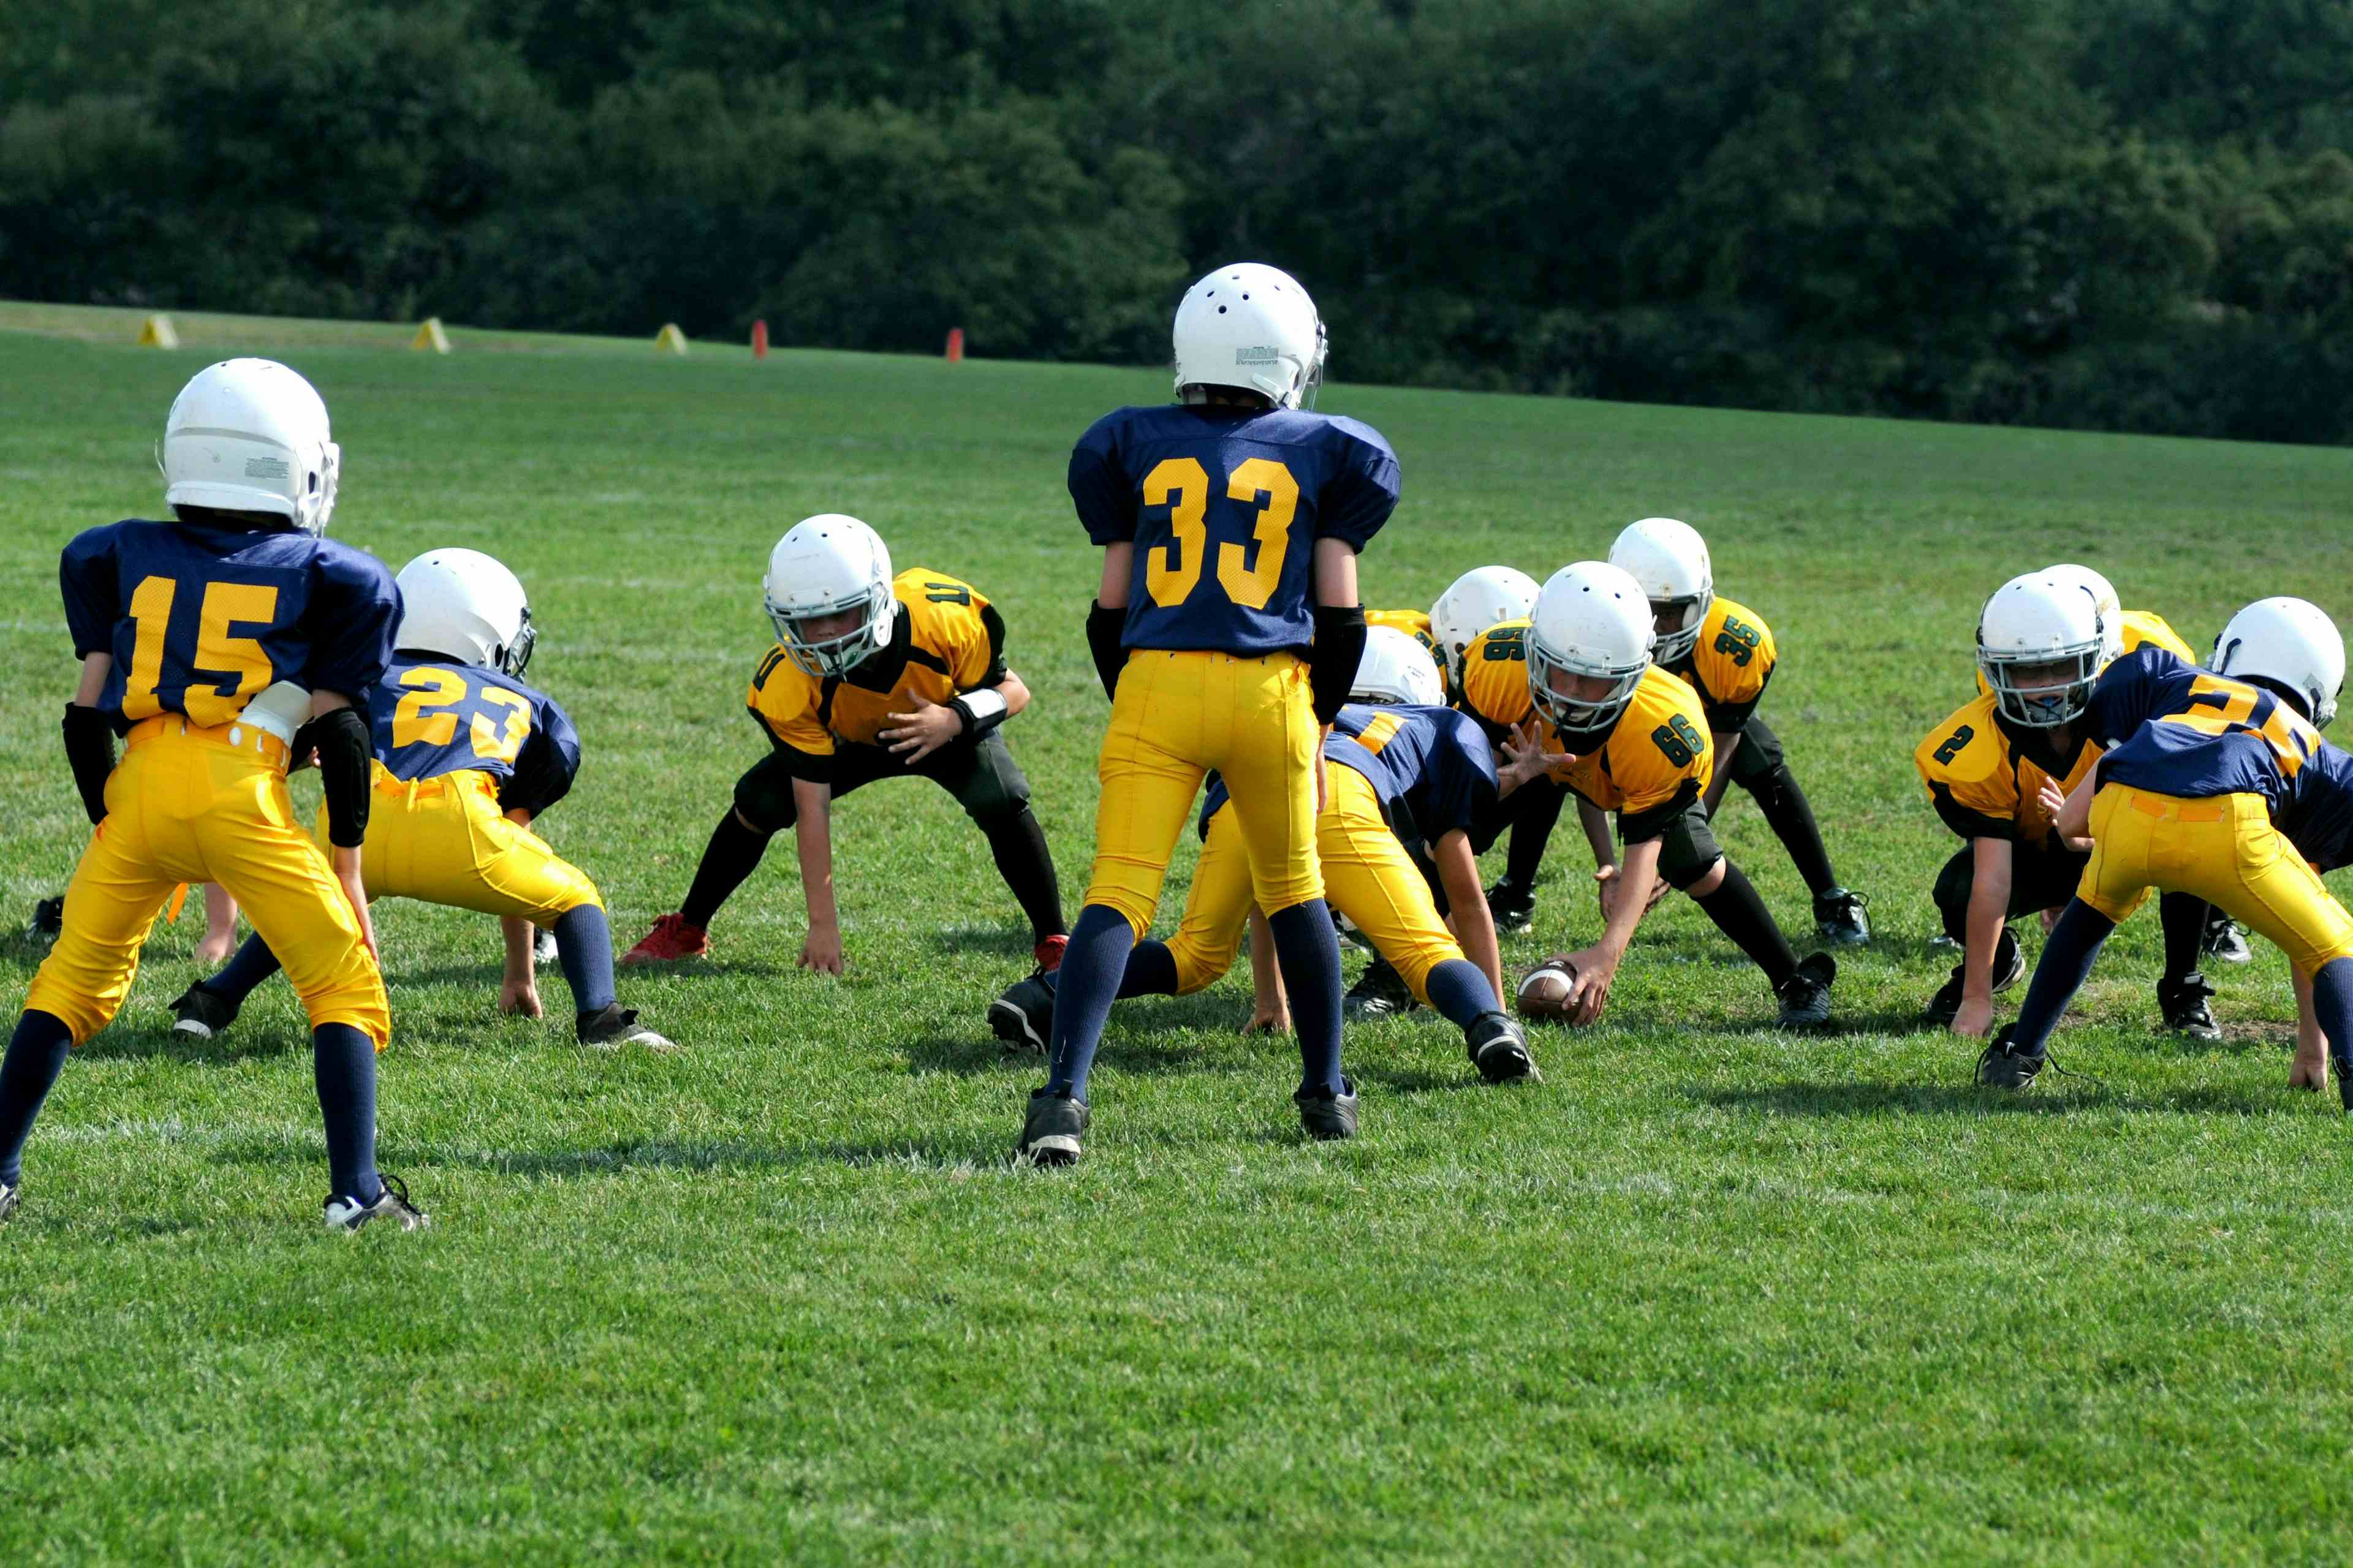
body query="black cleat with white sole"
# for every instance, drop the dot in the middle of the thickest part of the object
(2223, 940)
(2004, 1064)
(1325, 1117)
(1024, 1016)
(1512, 907)
(2008, 969)
(1839, 918)
(9, 1197)
(201, 1013)
(391, 1206)
(2183, 1003)
(1052, 1129)
(1806, 994)
(1379, 993)
(1499, 1048)
(613, 1026)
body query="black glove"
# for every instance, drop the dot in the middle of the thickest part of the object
(89, 750)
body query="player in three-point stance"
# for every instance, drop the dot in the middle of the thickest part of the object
(466, 756)
(873, 677)
(1998, 768)
(1724, 652)
(1227, 631)
(1627, 737)
(208, 642)
(2205, 777)
(1409, 779)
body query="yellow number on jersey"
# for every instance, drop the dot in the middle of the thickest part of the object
(2227, 705)
(1172, 571)
(217, 651)
(501, 745)
(413, 720)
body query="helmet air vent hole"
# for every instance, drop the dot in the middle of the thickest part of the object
(1221, 309)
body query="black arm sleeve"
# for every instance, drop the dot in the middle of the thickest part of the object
(89, 750)
(1967, 823)
(994, 624)
(1332, 662)
(342, 738)
(539, 778)
(1104, 630)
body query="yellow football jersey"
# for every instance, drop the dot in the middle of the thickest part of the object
(944, 640)
(2142, 628)
(1659, 746)
(1496, 677)
(1730, 664)
(1414, 624)
(1983, 783)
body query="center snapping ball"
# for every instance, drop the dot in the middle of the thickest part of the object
(1545, 991)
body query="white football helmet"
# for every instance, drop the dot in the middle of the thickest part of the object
(2033, 620)
(824, 565)
(249, 435)
(1591, 619)
(465, 605)
(1670, 560)
(1483, 598)
(2291, 643)
(1397, 669)
(2104, 599)
(1252, 326)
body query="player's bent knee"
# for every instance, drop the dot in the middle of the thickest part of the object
(1199, 966)
(763, 796)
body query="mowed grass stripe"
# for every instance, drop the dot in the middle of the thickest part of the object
(1709, 1291)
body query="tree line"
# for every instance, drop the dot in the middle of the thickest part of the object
(2130, 215)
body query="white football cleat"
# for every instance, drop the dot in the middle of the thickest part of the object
(348, 1215)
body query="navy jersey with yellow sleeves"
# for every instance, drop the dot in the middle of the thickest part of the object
(1985, 775)
(1224, 506)
(1495, 678)
(199, 620)
(1729, 665)
(1654, 761)
(946, 640)
(2174, 729)
(432, 716)
(1431, 769)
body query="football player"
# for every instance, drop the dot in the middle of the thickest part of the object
(466, 756)
(2199, 771)
(1724, 652)
(1483, 597)
(1625, 736)
(1227, 631)
(1397, 762)
(874, 676)
(1414, 624)
(1996, 772)
(207, 642)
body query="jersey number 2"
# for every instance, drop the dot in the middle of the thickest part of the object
(1174, 570)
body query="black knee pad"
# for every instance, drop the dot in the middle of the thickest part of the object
(763, 796)
(994, 790)
(1954, 881)
(1688, 849)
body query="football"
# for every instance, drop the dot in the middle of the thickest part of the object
(1545, 991)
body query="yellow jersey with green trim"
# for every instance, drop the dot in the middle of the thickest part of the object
(1495, 678)
(1414, 624)
(1729, 665)
(946, 639)
(1985, 775)
(1657, 751)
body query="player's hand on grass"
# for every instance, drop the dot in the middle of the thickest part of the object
(346, 866)
(1975, 1018)
(1265, 1020)
(920, 733)
(822, 951)
(520, 995)
(2310, 1069)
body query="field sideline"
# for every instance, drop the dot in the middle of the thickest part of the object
(1708, 1292)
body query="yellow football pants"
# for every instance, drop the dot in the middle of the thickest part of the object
(186, 805)
(444, 841)
(1176, 716)
(2223, 849)
(1367, 876)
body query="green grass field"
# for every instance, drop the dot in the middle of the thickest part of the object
(1708, 1292)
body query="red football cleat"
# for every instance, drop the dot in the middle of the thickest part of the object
(670, 940)
(1048, 953)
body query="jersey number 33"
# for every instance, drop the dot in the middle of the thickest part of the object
(1174, 570)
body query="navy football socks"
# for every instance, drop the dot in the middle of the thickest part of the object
(37, 1054)
(2332, 1008)
(1308, 950)
(342, 1061)
(1458, 990)
(252, 963)
(1151, 972)
(584, 946)
(2067, 957)
(1092, 967)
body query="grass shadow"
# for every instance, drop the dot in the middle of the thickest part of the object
(1827, 1101)
(257, 1042)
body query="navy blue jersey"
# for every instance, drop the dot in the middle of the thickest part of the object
(2172, 727)
(1223, 506)
(199, 620)
(2317, 817)
(1430, 767)
(433, 716)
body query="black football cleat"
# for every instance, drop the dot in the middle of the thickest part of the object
(1327, 1118)
(201, 1013)
(48, 921)
(1379, 993)
(1349, 936)
(391, 1206)
(2344, 1089)
(2008, 969)
(9, 1197)
(1499, 1049)
(2223, 940)
(1806, 995)
(613, 1026)
(1839, 918)
(1024, 1016)
(2004, 1064)
(1052, 1129)
(543, 947)
(1512, 907)
(2183, 1003)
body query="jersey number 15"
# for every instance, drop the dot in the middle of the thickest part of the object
(1172, 571)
